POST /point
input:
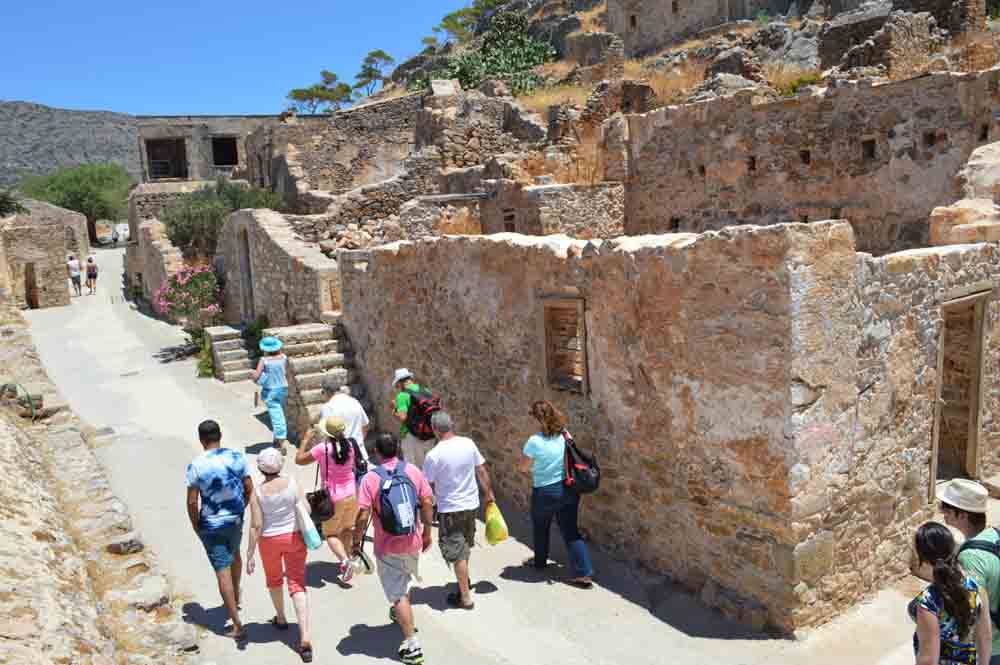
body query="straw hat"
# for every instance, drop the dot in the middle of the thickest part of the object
(270, 461)
(401, 375)
(967, 495)
(270, 344)
(331, 427)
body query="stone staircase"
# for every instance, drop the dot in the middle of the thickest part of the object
(316, 351)
(233, 360)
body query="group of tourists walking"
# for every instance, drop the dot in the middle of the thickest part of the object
(75, 271)
(426, 474)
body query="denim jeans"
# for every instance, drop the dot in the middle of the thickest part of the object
(558, 501)
(274, 400)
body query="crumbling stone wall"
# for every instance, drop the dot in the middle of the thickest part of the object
(35, 251)
(588, 49)
(146, 202)
(903, 45)
(336, 153)
(77, 240)
(648, 25)
(881, 157)
(579, 210)
(158, 257)
(955, 16)
(848, 30)
(270, 272)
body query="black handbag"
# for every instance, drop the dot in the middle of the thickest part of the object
(320, 504)
(583, 473)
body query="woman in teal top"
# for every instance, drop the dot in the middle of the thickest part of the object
(272, 377)
(544, 454)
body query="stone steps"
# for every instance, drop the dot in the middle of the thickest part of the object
(308, 332)
(233, 360)
(317, 364)
(319, 347)
(231, 356)
(237, 375)
(310, 397)
(314, 381)
(236, 365)
(229, 345)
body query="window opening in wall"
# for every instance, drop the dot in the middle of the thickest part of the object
(957, 419)
(675, 224)
(633, 21)
(674, 6)
(805, 156)
(31, 298)
(868, 149)
(167, 158)
(751, 163)
(930, 138)
(224, 151)
(984, 133)
(805, 219)
(701, 170)
(510, 221)
(836, 213)
(566, 344)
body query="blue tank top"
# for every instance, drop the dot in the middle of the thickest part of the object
(273, 375)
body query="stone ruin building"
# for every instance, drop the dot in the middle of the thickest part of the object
(34, 248)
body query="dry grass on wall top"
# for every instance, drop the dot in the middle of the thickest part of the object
(542, 98)
(789, 79)
(671, 86)
(556, 70)
(593, 20)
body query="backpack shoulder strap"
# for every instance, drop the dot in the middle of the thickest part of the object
(981, 546)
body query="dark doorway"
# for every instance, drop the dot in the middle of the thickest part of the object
(224, 151)
(31, 286)
(167, 158)
(246, 278)
(957, 422)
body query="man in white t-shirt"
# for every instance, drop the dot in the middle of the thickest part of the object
(452, 468)
(341, 405)
(73, 269)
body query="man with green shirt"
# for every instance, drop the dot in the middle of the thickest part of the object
(414, 448)
(964, 503)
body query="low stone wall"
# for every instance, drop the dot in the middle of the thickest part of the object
(159, 258)
(594, 48)
(579, 211)
(271, 272)
(76, 583)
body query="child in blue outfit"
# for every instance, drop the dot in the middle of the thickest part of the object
(272, 377)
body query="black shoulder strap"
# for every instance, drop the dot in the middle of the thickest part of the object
(992, 548)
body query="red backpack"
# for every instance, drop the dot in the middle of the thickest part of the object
(423, 404)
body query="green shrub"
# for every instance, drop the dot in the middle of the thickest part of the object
(254, 332)
(763, 19)
(9, 205)
(97, 191)
(206, 361)
(193, 221)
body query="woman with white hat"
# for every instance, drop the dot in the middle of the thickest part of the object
(274, 526)
(272, 376)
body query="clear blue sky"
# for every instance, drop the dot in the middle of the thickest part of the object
(185, 56)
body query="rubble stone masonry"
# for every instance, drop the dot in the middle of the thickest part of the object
(35, 251)
(881, 157)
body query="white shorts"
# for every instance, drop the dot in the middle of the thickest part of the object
(395, 572)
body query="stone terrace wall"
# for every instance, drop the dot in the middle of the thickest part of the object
(36, 140)
(579, 211)
(270, 272)
(881, 157)
(956, 16)
(336, 153)
(41, 243)
(691, 429)
(158, 256)
(848, 30)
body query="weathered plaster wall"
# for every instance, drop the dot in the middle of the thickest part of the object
(579, 211)
(881, 157)
(73, 223)
(648, 25)
(37, 246)
(270, 272)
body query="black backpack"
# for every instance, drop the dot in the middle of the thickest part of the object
(360, 463)
(992, 548)
(423, 404)
(583, 473)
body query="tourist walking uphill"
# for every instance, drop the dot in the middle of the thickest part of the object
(219, 482)
(414, 406)
(341, 404)
(272, 376)
(401, 500)
(452, 468)
(544, 455)
(274, 526)
(339, 462)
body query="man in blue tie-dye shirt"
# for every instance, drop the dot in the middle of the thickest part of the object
(218, 480)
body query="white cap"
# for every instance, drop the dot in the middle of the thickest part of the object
(967, 495)
(401, 375)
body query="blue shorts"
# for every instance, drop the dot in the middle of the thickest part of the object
(222, 545)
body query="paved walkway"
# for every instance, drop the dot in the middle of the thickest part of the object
(103, 356)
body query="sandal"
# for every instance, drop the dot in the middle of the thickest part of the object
(530, 563)
(455, 600)
(278, 624)
(581, 582)
(306, 652)
(238, 635)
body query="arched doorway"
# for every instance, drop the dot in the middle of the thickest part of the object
(247, 310)
(31, 286)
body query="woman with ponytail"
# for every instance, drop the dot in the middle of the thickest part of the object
(952, 614)
(335, 456)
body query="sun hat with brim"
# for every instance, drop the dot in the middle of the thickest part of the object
(401, 375)
(270, 344)
(967, 495)
(270, 461)
(331, 427)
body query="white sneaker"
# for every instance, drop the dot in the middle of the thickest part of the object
(346, 571)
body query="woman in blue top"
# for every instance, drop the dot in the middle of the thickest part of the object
(952, 614)
(544, 455)
(271, 376)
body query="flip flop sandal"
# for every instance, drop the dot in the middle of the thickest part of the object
(240, 636)
(277, 624)
(580, 584)
(306, 652)
(455, 600)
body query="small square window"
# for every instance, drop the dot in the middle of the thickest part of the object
(701, 170)
(509, 221)
(930, 138)
(805, 219)
(868, 150)
(805, 156)
(674, 6)
(566, 345)
(836, 213)
(633, 21)
(751, 163)
(675, 224)
(984, 133)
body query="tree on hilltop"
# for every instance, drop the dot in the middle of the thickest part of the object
(372, 73)
(330, 94)
(460, 25)
(97, 191)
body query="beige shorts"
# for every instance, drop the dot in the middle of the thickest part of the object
(345, 513)
(396, 571)
(415, 450)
